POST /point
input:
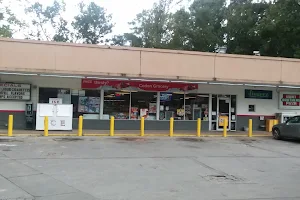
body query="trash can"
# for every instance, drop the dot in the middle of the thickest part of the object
(270, 123)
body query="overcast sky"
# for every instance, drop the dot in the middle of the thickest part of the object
(123, 11)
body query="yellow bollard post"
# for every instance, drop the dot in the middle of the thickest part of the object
(112, 126)
(142, 126)
(80, 125)
(225, 128)
(171, 127)
(46, 126)
(250, 128)
(199, 127)
(10, 125)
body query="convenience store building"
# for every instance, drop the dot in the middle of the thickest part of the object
(128, 83)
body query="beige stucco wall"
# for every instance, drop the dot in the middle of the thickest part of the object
(95, 60)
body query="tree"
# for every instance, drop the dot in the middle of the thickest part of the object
(280, 29)
(243, 17)
(9, 23)
(152, 26)
(181, 31)
(125, 39)
(208, 17)
(48, 22)
(92, 23)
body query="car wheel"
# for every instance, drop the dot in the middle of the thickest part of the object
(276, 134)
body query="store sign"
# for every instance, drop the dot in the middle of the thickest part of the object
(55, 100)
(142, 85)
(12, 91)
(258, 94)
(289, 100)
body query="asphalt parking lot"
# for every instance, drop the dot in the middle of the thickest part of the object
(94, 168)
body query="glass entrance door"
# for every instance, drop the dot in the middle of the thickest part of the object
(223, 112)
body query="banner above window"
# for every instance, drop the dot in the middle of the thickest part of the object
(137, 85)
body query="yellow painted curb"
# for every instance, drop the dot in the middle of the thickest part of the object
(157, 135)
(94, 134)
(184, 135)
(262, 135)
(128, 135)
(72, 135)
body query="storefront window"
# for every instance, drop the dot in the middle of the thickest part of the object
(86, 103)
(171, 105)
(196, 106)
(143, 104)
(116, 103)
(46, 93)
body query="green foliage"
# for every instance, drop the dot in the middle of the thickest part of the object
(9, 23)
(280, 29)
(92, 23)
(48, 22)
(243, 26)
(243, 17)
(207, 18)
(151, 26)
(127, 38)
(181, 31)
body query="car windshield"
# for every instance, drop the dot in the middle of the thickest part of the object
(294, 120)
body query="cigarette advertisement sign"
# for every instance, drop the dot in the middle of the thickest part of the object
(11, 91)
(289, 100)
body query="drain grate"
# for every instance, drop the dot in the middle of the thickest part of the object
(222, 178)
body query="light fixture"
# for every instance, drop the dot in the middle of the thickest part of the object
(191, 82)
(289, 86)
(61, 76)
(106, 78)
(254, 85)
(18, 74)
(199, 82)
(148, 80)
(230, 84)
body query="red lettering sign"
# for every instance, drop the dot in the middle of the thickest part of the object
(290, 100)
(142, 85)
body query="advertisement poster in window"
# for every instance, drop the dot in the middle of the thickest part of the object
(82, 104)
(89, 104)
(152, 108)
(134, 113)
(144, 112)
(289, 100)
(188, 109)
(180, 112)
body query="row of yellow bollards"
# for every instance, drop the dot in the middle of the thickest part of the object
(112, 127)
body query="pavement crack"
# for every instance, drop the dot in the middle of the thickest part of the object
(209, 167)
(54, 179)
(261, 148)
(24, 175)
(32, 196)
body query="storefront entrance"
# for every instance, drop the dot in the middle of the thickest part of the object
(223, 113)
(223, 108)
